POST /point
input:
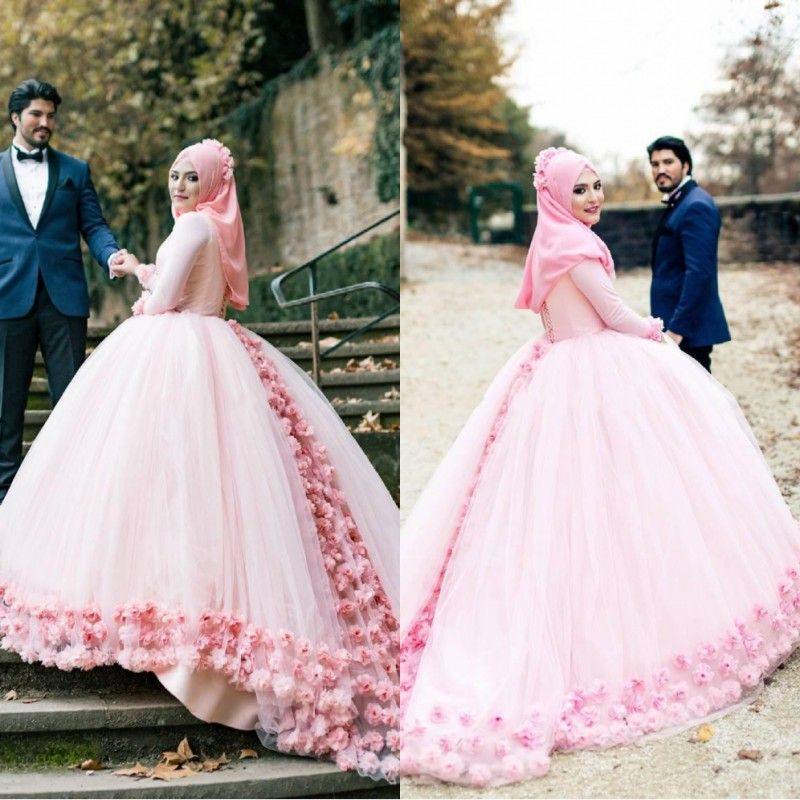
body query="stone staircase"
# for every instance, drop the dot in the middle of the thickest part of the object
(53, 719)
(353, 393)
(59, 719)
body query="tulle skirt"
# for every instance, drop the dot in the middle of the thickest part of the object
(195, 507)
(602, 555)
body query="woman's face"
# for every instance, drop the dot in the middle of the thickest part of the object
(587, 197)
(184, 186)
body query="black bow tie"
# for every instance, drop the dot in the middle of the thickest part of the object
(36, 155)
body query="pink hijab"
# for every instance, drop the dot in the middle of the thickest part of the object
(214, 165)
(560, 240)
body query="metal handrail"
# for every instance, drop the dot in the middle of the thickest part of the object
(313, 297)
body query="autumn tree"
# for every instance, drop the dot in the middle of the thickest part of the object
(750, 142)
(138, 79)
(452, 59)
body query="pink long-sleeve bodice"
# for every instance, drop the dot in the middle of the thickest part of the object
(584, 301)
(187, 275)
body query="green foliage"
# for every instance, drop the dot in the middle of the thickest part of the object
(135, 78)
(376, 260)
(378, 64)
(360, 19)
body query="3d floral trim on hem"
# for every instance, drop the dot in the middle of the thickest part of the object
(417, 636)
(456, 745)
(314, 689)
(363, 607)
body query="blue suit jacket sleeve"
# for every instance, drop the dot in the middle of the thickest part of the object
(94, 228)
(698, 233)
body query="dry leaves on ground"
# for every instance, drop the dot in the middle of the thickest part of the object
(392, 394)
(705, 733)
(750, 755)
(247, 753)
(11, 695)
(368, 364)
(175, 764)
(371, 421)
(88, 765)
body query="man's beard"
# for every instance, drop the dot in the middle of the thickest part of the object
(670, 187)
(33, 144)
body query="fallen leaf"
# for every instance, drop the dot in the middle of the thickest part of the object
(371, 421)
(88, 764)
(172, 758)
(213, 764)
(31, 699)
(136, 771)
(705, 733)
(248, 753)
(185, 750)
(750, 755)
(169, 772)
(12, 695)
(392, 394)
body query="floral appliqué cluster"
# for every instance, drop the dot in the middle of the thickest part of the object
(226, 159)
(540, 164)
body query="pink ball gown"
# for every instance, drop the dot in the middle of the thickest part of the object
(603, 554)
(195, 507)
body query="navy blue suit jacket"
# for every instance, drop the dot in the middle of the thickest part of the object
(71, 210)
(685, 290)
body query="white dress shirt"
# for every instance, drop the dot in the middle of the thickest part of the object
(32, 179)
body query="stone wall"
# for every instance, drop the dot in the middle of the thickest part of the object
(309, 164)
(760, 228)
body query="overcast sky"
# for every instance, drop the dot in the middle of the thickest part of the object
(614, 74)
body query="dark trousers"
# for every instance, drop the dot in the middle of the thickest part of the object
(702, 355)
(62, 340)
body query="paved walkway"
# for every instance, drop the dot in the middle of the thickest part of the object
(458, 328)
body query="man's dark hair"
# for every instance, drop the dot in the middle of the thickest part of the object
(28, 91)
(678, 146)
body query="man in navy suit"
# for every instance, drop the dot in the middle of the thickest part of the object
(685, 291)
(47, 203)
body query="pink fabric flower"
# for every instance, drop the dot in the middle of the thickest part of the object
(479, 775)
(702, 674)
(438, 715)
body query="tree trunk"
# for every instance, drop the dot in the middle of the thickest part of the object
(323, 29)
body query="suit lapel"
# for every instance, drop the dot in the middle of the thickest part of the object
(11, 182)
(52, 181)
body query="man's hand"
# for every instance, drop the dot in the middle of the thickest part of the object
(123, 263)
(676, 337)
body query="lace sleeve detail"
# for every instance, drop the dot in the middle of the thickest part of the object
(146, 275)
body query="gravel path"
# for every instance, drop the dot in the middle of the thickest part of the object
(458, 329)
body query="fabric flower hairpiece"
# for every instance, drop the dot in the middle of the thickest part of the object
(226, 159)
(540, 164)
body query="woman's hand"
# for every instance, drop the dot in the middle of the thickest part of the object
(124, 263)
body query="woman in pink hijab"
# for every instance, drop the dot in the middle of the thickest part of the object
(603, 554)
(194, 507)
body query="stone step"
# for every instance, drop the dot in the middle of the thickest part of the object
(272, 775)
(33, 680)
(300, 354)
(285, 334)
(115, 728)
(350, 412)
